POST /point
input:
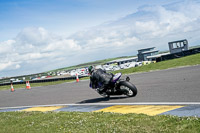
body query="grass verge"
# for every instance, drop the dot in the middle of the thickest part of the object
(184, 61)
(53, 122)
(17, 86)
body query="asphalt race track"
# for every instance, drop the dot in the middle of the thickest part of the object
(168, 86)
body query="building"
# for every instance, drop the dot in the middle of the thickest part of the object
(122, 61)
(144, 53)
(154, 57)
(178, 46)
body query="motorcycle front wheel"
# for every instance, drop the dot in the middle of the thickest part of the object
(128, 88)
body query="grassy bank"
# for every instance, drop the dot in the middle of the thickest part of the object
(184, 61)
(52, 122)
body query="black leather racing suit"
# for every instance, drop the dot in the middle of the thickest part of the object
(100, 79)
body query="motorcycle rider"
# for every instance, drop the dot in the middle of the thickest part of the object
(99, 79)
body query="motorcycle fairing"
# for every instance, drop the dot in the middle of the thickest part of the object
(116, 77)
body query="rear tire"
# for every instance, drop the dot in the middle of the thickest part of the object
(128, 88)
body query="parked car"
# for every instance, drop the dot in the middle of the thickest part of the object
(43, 77)
(99, 67)
(116, 67)
(146, 62)
(132, 64)
(124, 66)
(138, 64)
(108, 67)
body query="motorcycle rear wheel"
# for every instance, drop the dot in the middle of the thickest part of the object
(128, 88)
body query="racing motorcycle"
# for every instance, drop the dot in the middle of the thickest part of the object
(119, 86)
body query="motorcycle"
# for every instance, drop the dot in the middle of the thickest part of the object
(119, 86)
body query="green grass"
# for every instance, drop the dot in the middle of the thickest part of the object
(91, 122)
(184, 61)
(19, 86)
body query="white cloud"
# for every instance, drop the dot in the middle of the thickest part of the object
(150, 26)
(17, 66)
(33, 47)
(5, 65)
(6, 47)
(63, 45)
(9, 65)
(34, 36)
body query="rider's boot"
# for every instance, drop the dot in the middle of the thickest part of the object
(104, 94)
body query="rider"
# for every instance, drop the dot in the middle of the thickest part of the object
(99, 79)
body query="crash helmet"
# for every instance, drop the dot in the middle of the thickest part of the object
(90, 69)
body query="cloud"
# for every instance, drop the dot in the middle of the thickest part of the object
(34, 36)
(35, 49)
(149, 26)
(63, 45)
(9, 66)
(6, 47)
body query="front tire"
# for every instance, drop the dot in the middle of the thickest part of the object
(128, 88)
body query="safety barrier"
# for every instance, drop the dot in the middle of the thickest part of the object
(42, 80)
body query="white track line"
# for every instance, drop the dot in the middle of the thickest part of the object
(86, 104)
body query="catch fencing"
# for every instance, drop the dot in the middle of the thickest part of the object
(42, 80)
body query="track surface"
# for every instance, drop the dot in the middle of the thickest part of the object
(172, 85)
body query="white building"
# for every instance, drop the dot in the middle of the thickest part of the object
(123, 61)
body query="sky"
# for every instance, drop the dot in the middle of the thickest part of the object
(42, 35)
